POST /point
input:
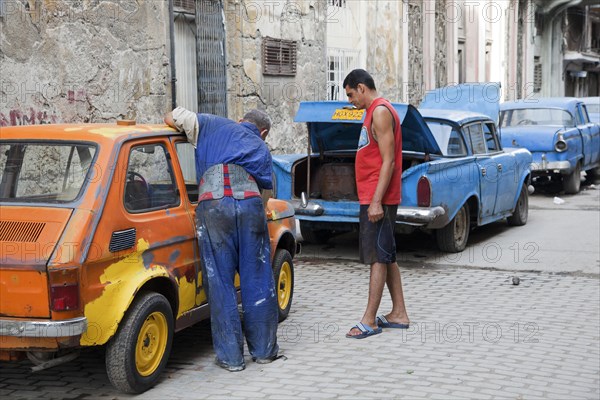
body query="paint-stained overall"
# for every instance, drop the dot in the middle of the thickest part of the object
(98, 246)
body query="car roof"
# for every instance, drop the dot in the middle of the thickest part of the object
(97, 133)
(456, 116)
(543, 102)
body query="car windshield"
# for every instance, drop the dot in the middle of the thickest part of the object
(536, 116)
(447, 137)
(44, 172)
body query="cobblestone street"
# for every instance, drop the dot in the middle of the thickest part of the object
(474, 335)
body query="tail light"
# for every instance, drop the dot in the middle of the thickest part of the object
(424, 192)
(64, 289)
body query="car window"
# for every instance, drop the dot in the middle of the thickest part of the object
(475, 134)
(150, 184)
(448, 138)
(185, 153)
(491, 140)
(44, 172)
(584, 114)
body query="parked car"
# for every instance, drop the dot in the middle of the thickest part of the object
(592, 104)
(559, 134)
(447, 192)
(99, 247)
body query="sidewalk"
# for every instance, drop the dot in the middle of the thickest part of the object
(474, 335)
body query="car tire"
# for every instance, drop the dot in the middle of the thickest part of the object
(453, 237)
(314, 236)
(283, 273)
(138, 353)
(521, 212)
(572, 182)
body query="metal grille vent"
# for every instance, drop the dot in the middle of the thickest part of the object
(279, 56)
(20, 231)
(122, 240)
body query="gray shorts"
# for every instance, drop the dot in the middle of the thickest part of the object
(377, 242)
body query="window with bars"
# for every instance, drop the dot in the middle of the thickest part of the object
(186, 6)
(279, 56)
(339, 63)
(337, 3)
(537, 75)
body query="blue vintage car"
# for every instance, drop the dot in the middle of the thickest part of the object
(447, 187)
(559, 134)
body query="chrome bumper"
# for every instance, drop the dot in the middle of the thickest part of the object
(418, 216)
(309, 208)
(42, 328)
(551, 165)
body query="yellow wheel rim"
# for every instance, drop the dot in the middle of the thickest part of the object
(284, 285)
(151, 344)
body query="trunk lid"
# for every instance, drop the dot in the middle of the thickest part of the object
(335, 126)
(28, 238)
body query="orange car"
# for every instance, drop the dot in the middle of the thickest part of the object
(98, 246)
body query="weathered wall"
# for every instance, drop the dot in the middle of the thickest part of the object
(247, 23)
(384, 47)
(83, 61)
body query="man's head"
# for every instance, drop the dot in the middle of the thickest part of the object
(360, 88)
(260, 119)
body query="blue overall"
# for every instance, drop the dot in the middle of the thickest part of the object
(233, 237)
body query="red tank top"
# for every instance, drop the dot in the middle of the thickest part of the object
(368, 160)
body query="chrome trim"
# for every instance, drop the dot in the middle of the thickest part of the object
(553, 165)
(418, 215)
(42, 328)
(312, 209)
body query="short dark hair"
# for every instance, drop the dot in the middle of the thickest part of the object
(259, 118)
(357, 76)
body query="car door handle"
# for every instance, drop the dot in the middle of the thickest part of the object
(483, 172)
(499, 167)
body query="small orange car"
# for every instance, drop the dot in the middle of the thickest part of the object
(98, 246)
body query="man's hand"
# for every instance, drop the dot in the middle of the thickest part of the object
(375, 212)
(169, 120)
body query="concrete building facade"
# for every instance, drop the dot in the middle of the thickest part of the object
(100, 60)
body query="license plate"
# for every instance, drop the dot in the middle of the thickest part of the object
(348, 115)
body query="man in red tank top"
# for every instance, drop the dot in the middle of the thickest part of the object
(379, 182)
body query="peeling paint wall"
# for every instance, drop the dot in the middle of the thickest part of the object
(83, 61)
(247, 23)
(384, 47)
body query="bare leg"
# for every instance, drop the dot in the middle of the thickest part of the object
(376, 284)
(394, 284)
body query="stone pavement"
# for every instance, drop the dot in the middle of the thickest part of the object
(474, 335)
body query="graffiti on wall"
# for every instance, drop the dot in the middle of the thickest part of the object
(31, 117)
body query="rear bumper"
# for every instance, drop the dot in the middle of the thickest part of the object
(345, 212)
(419, 216)
(42, 328)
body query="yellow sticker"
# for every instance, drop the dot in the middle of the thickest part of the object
(348, 114)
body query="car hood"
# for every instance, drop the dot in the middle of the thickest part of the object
(533, 138)
(336, 125)
(481, 98)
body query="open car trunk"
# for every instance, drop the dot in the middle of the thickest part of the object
(332, 177)
(334, 130)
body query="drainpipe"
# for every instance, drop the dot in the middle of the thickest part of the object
(172, 55)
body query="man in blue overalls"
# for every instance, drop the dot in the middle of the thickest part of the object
(233, 164)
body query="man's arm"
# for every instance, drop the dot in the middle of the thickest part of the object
(382, 128)
(184, 121)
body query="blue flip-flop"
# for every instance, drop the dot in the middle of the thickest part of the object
(365, 331)
(382, 322)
